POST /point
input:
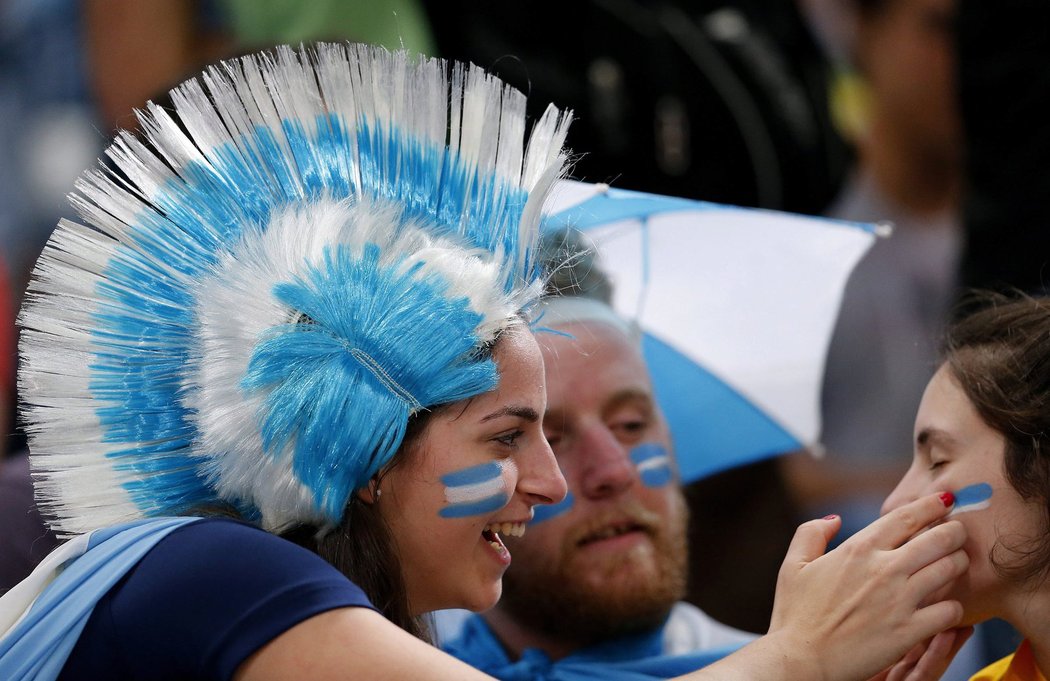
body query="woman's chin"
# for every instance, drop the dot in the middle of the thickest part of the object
(493, 592)
(480, 599)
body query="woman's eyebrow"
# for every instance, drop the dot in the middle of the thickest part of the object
(527, 413)
(930, 437)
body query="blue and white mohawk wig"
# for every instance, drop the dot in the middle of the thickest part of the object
(325, 242)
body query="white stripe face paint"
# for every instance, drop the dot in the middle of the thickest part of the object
(474, 491)
(972, 498)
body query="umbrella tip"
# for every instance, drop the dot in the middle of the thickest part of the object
(602, 187)
(884, 229)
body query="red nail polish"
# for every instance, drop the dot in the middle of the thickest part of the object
(831, 516)
(948, 499)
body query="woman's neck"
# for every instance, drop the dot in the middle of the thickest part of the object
(1028, 611)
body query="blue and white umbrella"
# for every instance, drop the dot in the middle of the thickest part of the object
(737, 307)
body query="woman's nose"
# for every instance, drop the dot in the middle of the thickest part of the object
(541, 478)
(901, 495)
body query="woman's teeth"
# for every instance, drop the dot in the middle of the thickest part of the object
(508, 529)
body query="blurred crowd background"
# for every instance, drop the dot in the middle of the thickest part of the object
(929, 114)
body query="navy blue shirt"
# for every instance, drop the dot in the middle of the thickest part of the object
(202, 601)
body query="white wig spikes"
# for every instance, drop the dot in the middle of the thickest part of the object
(316, 245)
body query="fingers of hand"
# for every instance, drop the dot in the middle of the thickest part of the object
(936, 618)
(937, 575)
(900, 671)
(899, 525)
(938, 654)
(810, 541)
(930, 546)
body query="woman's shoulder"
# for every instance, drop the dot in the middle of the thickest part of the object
(204, 598)
(225, 554)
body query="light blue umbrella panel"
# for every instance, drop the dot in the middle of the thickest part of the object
(736, 306)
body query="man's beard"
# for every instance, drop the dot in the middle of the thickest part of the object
(551, 594)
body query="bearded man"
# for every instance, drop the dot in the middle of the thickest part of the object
(596, 583)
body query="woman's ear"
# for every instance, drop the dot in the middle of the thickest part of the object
(371, 492)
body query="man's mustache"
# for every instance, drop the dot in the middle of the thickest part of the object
(625, 516)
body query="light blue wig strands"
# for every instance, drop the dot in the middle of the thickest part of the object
(269, 288)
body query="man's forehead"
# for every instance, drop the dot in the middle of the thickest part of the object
(561, 310)
(576, 341)
(592, 359)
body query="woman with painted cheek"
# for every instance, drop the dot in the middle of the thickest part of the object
(983, 429)
(472, 478)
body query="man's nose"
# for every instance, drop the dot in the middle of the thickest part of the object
(607, 466)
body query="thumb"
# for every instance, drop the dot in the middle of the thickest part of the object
(811, 540)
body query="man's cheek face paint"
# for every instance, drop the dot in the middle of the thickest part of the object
(972, 498)
(654, 464)
(548, 511)
(474, 491)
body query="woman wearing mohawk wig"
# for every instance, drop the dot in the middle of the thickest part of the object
(282, 398)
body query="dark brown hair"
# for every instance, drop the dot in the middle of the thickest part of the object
(362, 548)
(1000, 356)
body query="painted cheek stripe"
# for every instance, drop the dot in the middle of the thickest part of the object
(972, 498)
(654, 464)
(474, 491)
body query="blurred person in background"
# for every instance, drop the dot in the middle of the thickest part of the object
(136, 49)
(908, 173)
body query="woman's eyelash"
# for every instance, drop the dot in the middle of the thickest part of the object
(509, 438)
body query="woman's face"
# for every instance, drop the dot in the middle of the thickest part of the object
(955, 448)
(473, 475)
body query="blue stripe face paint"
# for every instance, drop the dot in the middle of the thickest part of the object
(972, 498)
(548, 511)
(474, 491)
(654, 464)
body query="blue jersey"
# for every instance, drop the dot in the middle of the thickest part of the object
(202, 601)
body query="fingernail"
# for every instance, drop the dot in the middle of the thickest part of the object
(947, 498)
(831, 516)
